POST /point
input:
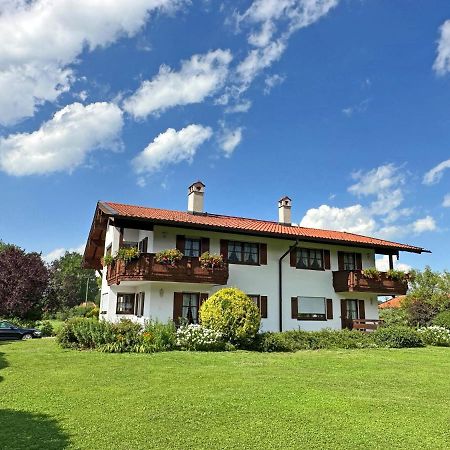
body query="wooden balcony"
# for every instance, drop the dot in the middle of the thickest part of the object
(365, 324)
(354, 281)
(145, 268)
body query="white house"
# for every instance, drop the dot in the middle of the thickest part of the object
(299, 277)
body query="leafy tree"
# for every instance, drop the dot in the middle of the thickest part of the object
(68, 282)
(429, 294)
(23, 281)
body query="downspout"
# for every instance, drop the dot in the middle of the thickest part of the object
(280, 281)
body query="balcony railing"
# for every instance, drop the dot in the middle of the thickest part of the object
(355, 281)
(145, 268)
(365, 324)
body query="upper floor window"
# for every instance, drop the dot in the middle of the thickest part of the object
(309, 258)
(192, 247)
(243, 252)
(349, 261)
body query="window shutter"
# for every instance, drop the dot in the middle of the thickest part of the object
(362, 309)
(120, 237)
(358, 261)
(326, 260)
(329, 308)
(294, 307)
(293, 257)
(341, 260)
(204, 245)
(177, 306)
(180, 243)
(143, 245)
(224, 249)
(263, 254)
(263, 306)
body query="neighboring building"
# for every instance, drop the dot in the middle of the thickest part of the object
(298, 277)
(395, 302)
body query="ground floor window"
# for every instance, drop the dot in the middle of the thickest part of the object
(311, 308)
(190, 307)
(125, 303)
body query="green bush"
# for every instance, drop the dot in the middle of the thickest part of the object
(233, 314)
(398, 337)
(45, 327)
(157, 337)
(442, 319)
(393, 317)
(195, 337)
(435, 335)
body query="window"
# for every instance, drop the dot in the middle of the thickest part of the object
(125, 303)
(349, 261)
(243, 252)
(256, 299)
(139, 304)
(190, 307)
(143, 245)
(312, 308)
(192, 248)
(308, 258)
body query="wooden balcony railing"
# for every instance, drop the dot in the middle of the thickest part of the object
(354, 281)
(145, 268)
(365, 324)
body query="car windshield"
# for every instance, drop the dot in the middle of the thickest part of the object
(6, 325)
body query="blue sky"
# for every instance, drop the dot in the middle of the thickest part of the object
(342, 105)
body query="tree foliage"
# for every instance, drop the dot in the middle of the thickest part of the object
(23, 281)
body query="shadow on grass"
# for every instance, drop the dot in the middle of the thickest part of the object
(25, 430)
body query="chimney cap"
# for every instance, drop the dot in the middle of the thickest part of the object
(197, 186)
(284, 201)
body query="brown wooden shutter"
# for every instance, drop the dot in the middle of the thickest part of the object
(293, 257)
(224, 249)
(358, 261)
(180, 243)
(120, 237)
(362, 309)
(326, 260)
(341, 260)
(329, 308)
(144, 245)
(263, 306)
(177, 306)
(294, 307)
(204, 245)
(343, 312)
(263, 254)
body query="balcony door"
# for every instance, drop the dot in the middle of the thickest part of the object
(351, 309)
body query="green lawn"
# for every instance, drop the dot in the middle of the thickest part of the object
(52, 399)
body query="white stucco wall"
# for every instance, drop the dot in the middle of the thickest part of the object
(261, 280)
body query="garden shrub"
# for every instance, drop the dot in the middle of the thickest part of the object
(45, 327)
(420, 313)
(442, 319)
(157, 337)
(196, 337)
(398, 337)
(434, 335)
(393, 317)
(233, 314)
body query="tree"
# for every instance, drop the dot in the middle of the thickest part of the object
(429, 294)
(23, 281)
(68, 283)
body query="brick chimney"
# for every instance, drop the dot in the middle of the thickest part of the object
(196, 193)
(284, 211)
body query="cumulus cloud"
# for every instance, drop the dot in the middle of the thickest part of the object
(229, 139)
(435, 174)
(62, 143)
(61, 251)
(171, 147)
(383, 216)
(442, 62)
(41, 39)
(198, 78)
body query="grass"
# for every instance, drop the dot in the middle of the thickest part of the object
(53, 399)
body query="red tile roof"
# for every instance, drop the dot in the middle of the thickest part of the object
(241, 224)
(393, 302)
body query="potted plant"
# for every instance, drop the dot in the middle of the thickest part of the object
(170, 257)
(127, 254)
(211, 261)
(108, 260)
(397, 275)
(372, 273)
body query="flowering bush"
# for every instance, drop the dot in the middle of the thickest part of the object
(435, 335)
(196, 337)
(211, 261)
(126, 254)
(169, 257)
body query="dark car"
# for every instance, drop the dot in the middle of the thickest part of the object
(10, 331)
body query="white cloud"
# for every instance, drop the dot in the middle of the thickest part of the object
(442, 62)
(198, 78)
(446, 201)
(171, 147)
(242, 107)
(382, 264)
(58, 252)
(272, 81)
(40, 39)
(62, 143)
(359, 108)
(229, 139)
(435, 174)
(424, 224)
